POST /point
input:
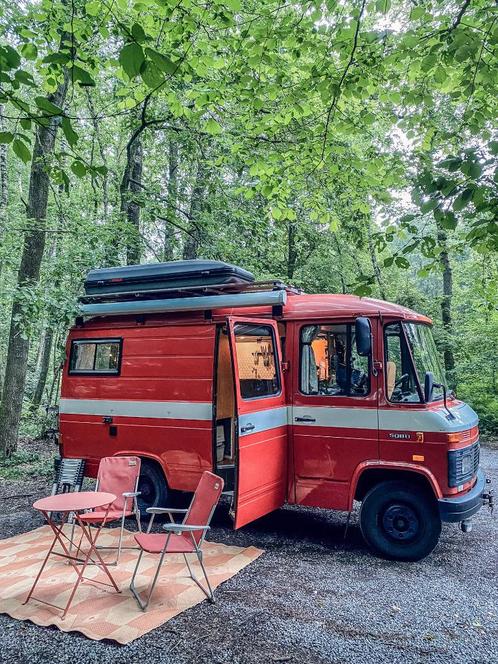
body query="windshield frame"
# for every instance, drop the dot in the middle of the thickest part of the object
(435, 365)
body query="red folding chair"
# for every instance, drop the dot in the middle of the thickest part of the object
(186, 537)
(118, 475)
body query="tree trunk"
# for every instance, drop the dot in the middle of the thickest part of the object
(45, 351)
(3, 205)
(105, 178)
(192, 243)
(446, 306)
(341, 264)
(169, 234)
(130, 188)
(375, 263)
(28, 275)
(291, 250)
(3, 175)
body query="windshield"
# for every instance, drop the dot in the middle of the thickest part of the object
(425, 355)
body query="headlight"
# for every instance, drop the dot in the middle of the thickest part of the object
(467, 464)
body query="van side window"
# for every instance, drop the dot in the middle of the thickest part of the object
(256, 361)
(329, 364)
(95, 356)
(401, 384)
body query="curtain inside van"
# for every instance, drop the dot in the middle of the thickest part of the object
(309, 376)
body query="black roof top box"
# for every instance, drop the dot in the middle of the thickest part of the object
(164, 276)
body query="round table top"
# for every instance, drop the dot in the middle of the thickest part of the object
(74, 502)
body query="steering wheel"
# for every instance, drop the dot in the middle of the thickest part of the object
(400, 380)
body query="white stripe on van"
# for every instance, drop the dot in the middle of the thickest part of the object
(171, 410)
(303, 416)
(385, 419)
(262, 420)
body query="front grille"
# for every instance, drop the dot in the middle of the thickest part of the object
(463, 464)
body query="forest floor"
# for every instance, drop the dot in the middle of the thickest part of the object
(312, 597)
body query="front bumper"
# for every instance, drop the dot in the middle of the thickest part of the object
(463, 507)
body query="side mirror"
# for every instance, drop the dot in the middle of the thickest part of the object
(428, 386)
(363, 336)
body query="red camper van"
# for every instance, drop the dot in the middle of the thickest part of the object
(314, 400)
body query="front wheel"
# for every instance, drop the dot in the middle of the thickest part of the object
(400, 521)
(152, 486)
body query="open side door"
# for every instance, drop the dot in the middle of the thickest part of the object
(261, 476)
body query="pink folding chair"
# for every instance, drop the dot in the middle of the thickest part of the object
(186, 537)
(118, 475)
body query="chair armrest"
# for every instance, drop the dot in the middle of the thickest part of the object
(165, 510)
(131, 494)
(180, 527)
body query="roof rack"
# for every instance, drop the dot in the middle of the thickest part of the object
(190, 291)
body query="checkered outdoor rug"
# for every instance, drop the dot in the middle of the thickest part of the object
(96, 611)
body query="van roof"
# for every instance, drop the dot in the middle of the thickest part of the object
(309, 306)
(299, 306)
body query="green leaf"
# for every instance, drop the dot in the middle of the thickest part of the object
(131, 59)
(21, 150)
(9, 58)
(448, 220)
(475, 170)
(416, 13)
(93, 8)
(161, 61)
(25, 123)
(6, 137)
(45, 105)
(383, 6)
(428, 205)
(151, 75)
(234, 5)
(57, 58)
(69, 133)
(29, 51)
(138, 33)
(213, 127)
(493, 147)
(25, 78)
(78, 168)
(402, 262)
(462, 199)
(388, 261)
(82, 76)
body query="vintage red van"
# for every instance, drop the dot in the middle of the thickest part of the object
(314, 400)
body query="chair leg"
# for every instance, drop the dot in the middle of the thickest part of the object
(137, 517)
(209, 592)
(143, 604)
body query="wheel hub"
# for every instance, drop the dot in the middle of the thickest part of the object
(400, 522)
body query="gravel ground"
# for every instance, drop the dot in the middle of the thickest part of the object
(310, 598)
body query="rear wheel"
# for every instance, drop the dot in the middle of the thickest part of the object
(400, 521)
(152, 486)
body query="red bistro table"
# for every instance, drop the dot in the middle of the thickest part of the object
(65, 504)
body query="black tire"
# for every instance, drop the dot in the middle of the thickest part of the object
(152, 486)
(400, 521)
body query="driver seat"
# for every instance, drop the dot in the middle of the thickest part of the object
(390, 378)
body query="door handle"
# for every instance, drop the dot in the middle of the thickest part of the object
(305, 418)
(248, 427)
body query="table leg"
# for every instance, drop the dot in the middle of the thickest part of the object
(93, 547)
(57, 531)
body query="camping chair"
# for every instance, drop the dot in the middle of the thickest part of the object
(68, 476)
(185, 538)
(118, 475)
